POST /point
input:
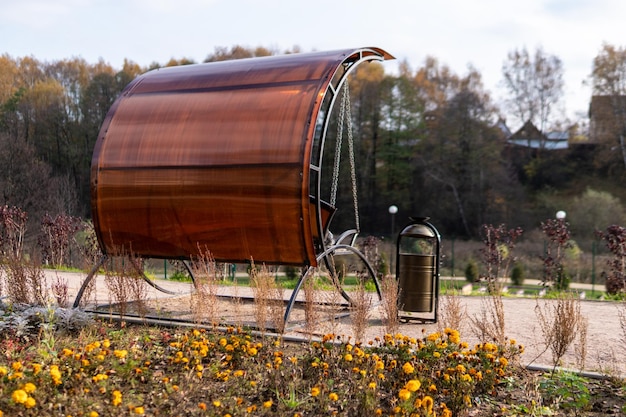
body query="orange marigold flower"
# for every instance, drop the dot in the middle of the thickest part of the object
(315, 391)
(19, 396)
(413, 385)
(333, 397)
(117, 398)
(139, 410)
(404, 394)
(29, 387)
(202, 406)
(407, 368)
(30, 402)
(268, 403)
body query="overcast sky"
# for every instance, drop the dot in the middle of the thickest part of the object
(457, 32)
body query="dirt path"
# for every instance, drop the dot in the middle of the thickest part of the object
(605, 347)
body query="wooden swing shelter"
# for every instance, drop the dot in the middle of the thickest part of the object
(222, 156)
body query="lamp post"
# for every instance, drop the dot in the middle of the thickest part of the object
(393, 209)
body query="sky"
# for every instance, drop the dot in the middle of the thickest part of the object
(458, 33)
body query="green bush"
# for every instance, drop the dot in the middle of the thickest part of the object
(471, 271)
(517, 274)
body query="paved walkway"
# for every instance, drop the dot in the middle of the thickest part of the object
(606, 335)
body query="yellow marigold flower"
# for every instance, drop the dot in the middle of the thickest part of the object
(217, 403)
(106, 343)
(417, 403)
(94, 414)
(315, 391)
(446, 413)
(120, 354)
(30, 402)
(252, 351)
(251, 409)
(253, 384)
(413, 385)
(380, 365)
(19, 396)
(436, 355)
(117, 398)
(404, 394)
(238, 372)
(29, 387)
(139, 410)
(223, 342)
(432, 388)
(17, 366)
(407, 368)
(461, 369)
(381, 376)
(428, 403)
(268, 403)
(347, 357)
(67, 352)
(36, 368)
(433, 337)
(503, 361)
(1, 413)
(466, 378)
(372, 385)
(333, 397)
(378, 412)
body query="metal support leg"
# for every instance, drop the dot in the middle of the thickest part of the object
(88, 279)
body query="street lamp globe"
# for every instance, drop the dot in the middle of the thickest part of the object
(560, 215)
(393, 209)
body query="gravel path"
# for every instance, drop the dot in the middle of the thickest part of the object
(605, 341)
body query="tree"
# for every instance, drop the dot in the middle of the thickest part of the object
(458, 155)
(535, 86)
(609, 80)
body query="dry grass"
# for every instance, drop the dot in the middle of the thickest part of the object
(25, 282)
(268, 299)
(311, 306)
(452, 312)
(489, 324)
(204, 299)
(60, 291)
(125, 283)
(561, 322)
(360, 311)
(390, 308)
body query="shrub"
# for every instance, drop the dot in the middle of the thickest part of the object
(471, 271)
(517, 274)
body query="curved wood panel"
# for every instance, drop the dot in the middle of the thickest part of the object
(216, 157)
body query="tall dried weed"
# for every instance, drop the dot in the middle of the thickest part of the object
(561, 322)
(204, 302)
(489, 324)
(268, 299)
(390, 298)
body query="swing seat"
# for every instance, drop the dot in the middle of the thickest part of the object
(222, 156)
(327, 212)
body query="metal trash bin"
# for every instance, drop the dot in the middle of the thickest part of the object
(417, 270)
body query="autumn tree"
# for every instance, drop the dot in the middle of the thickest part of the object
(609, 81)
(534, 84)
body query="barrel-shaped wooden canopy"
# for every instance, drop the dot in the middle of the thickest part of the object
(222, 157)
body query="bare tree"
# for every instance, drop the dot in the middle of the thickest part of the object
(535, 86)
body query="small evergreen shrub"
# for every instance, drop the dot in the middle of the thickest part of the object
(471, 271)
(517, 274)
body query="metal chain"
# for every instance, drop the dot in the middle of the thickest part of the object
(355, 199)
(345, 113)
(342, 114)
